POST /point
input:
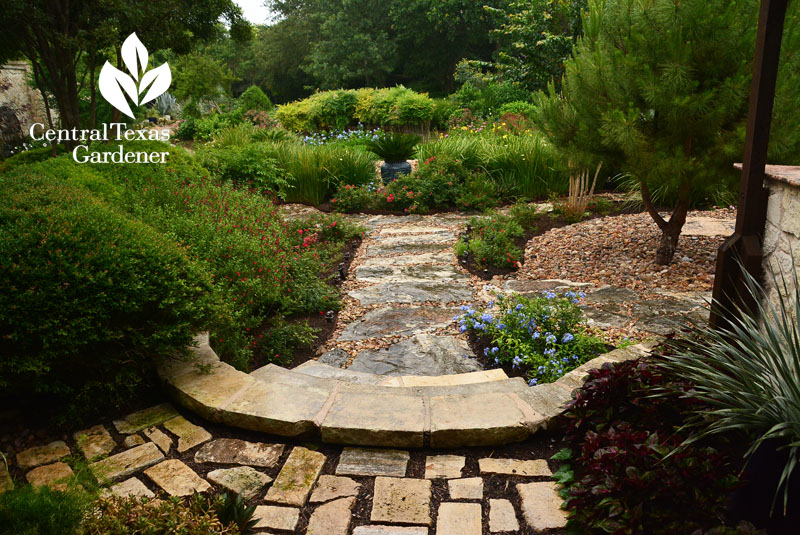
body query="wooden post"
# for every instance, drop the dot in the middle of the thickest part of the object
(743, 250)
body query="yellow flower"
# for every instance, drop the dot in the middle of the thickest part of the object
(463, 128)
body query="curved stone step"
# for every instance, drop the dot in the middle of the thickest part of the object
(319, 369)
(290, 403)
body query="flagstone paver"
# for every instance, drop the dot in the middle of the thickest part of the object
(541, 505)
(52, 475)
(276, 517)
(40, 455)
(242, 480)
(444, 466)
(372, 462)
(235, 451)
(459, 519)
(411, 273)
(411, 292)
(470, 488)
(423, 354)
(132, 441)
(390, 530)
(502, 516)
(398, 322)
(401, 501)
(143, 419)
(332, 518)
(176, 478)
(132, 487)
(127, 462)
(297, 477)
(94, 442)
(159, 438)
(332, 487)
(189, 434)
(515, 467)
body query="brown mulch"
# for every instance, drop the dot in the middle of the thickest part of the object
(619, 251)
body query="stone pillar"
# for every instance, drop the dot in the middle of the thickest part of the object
(782, 231)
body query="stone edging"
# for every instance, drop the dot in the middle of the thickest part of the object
(288, 403)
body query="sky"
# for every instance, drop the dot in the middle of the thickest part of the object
(254, 10)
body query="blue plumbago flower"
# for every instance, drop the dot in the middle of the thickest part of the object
(567, 338)
(574, 357)
(518, 307)
(536, 335)
(495, 349)
(560, 371)
(581, 294)
(551, 338)
(462, 329)
(486, 352)
(480, 326)
(456, 318)
(487, 317)
(501, 326)
(570, 294)
(533, 382)
(550, 352)
(517, 361)
(464, 308)
(497, 360)
(490, 305)
(549, 295)
(541, 369)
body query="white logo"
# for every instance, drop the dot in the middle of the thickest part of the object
(113, 81)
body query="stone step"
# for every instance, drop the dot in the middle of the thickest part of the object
(291, 403)
(318, 369)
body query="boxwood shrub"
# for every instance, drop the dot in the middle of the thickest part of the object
(88, 295)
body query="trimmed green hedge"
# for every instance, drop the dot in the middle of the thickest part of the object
(387, 107)
(88, 295)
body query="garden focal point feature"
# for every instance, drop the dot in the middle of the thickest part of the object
(395, 149)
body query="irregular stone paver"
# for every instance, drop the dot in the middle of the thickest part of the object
(371, 462)
(52, 475)
(297, 477)
(425, 243)
(275, 517)
(409, 229)
(459, 519)
(332, 487)
(707, 226)
(412, 292)
(134, 440)
(444, 466)
(235, 451)
(132, 487)
(408, 260)
(390, 530)
(42, 454)
(534, 288)
(94, 442)
(423, 354)
(541, 505)
(242, 480)
(139, 420)
(126, 463)
(470, 488)
(332, 518)
(515, 467)
(176, 478)
(159, 438)
(189, 434)
(397, 322)
(335, 357)
(502, 516)
(401, 501)
(411, 273)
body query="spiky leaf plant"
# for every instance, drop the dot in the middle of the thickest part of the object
(749, 373)
(394, 146)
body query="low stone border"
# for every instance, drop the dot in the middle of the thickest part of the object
(289, 403)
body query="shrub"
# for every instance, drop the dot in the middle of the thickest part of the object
(393, 146)
(89, 295)
(542, 337)
(626, 474)
(518, 107)
(525, 166)
(486, 99)
(253, 98)
(477, 193)
(247, 165)
(171, 516)
(42, 511)
(440, 115)
(466, 150)
(491, 241)
(187, 129)
(351, 199)
(208, 125)
(412, 109)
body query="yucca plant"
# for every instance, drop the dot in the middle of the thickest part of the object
(393, 146)
(748, 373)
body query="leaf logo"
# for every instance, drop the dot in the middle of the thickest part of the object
(115, 84)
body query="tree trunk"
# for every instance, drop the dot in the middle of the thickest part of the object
(670, 230)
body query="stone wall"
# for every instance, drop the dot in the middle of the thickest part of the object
(17, 93)
(782, 232)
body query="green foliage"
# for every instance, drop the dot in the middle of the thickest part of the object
(247, 166)
(171, 516)
(542, 337)
(199, 78)
(283, 338)
(393, 146)
(207, 126)
(465, 150)
(253, 98)
(186, 129)
(232, 510)
(42, 511)
(746, 373)
(629, 474)
(491, 241)
(336, 110)
(443, 108)
(350, 199)
(89, 295)
(485, 99)
(525, 166)
(518, 107)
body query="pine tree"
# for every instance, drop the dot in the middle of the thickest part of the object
(659, 89)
